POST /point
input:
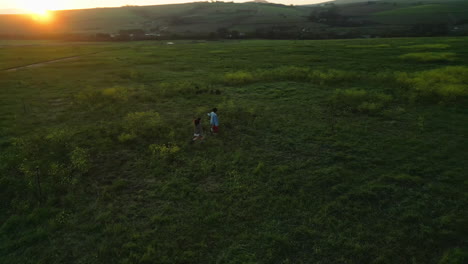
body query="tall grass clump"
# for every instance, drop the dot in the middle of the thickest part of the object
(362, 101)
(131, 75)
(429, 56)
(46, 165)
(239, 77)
(444, 84)
(164, 151)
(185, 88)
(333, 76)
(143, 124)
(427, 46)
(112, 97)
(237, 116)
(167, 89)
(368, 46)
(93, 97)
(118, 94)
(290, 73)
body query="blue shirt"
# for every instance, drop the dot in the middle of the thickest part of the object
(214, 119)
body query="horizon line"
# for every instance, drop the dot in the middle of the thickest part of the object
(18, 11)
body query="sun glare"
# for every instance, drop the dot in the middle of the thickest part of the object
(39, 10)
(43, 16)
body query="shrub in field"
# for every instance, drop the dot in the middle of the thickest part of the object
(171, 89)
(386, 77)
(454, 256)
(239, 77)
(444, 84)
(429, 56)
(53, 159)
(131, 75)
(369, 46)
(165, 151)
(185, 88)
(140, 123)
(95, 97)
(125, 137)
(332, 76)
(119, 94)
(349, 97)
(259, 168)
(427, 46)
(66, 173)
(88, 96)
(290, 73)
(236, 116)
(394, 112)
(60, 173)
(357, 100)
(451, 40)
(79, 159)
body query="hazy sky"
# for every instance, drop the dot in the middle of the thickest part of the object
(76, 4)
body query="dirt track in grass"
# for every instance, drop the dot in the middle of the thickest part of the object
(42, 63)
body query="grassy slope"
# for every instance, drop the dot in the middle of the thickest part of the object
(427, 13)
(289, 180)
(407, 12)
(196, 17)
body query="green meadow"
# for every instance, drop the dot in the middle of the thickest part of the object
(332, 151)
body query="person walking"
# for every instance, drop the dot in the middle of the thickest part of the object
(214, 121)
(198, 131)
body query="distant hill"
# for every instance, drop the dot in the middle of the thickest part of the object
(338, 19)
(352, 1)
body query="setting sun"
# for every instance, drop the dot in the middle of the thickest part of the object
(40, 10)
(43, 16)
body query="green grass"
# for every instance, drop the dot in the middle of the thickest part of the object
(449, 83)
(19, 53)
(429, 56)
(368, 46)
(326, 154)
(360, 100)
(289, 73)
(427, 46)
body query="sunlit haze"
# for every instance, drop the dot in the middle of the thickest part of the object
(40, 6)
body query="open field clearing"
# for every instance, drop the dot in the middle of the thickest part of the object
(23, 53)
(336, 151)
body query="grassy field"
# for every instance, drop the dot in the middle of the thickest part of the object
(15, 53)
(338, 151)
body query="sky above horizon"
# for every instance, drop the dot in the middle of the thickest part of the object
(12, 6)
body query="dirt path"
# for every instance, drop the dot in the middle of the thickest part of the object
(42, 63)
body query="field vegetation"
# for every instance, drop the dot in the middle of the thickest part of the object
(427, 46)
(326, 154)
(429, 56)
